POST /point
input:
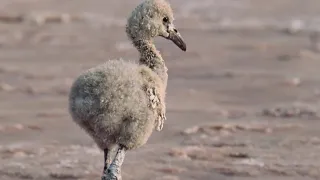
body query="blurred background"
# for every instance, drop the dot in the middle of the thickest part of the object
(242, 102)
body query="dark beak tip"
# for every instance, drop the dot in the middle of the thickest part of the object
(183, 47)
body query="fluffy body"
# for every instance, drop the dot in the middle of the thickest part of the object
(111, 102)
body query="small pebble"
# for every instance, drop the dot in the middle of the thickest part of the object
(238, 155)
(19, 154)
(178, 153)
(296, 81)
(296, 26)
(18, 127)
(191, 130)
(6, 87)
(171, 170)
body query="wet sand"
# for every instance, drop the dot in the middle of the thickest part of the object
(242, 102)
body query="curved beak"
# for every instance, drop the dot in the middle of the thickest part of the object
(176, 38)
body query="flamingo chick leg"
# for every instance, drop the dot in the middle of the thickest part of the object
(114, 170)
(107, 162)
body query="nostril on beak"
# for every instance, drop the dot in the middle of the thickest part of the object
(175, 30)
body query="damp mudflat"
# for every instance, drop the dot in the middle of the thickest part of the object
(242, 102)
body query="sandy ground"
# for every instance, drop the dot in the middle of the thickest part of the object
(243, 101)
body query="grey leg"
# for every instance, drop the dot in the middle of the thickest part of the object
(114, 170)
(107, 162)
